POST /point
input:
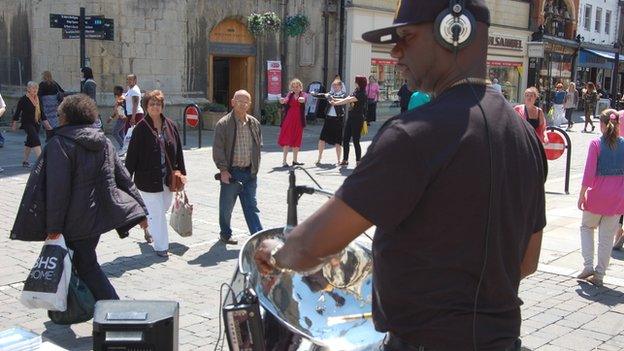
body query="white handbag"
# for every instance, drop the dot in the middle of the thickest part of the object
(181, 219)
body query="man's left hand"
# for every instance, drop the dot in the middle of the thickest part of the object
(53, 236)
(263, 256)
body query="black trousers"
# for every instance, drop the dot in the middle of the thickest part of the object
(393, 343)
(89, 270)
(352, 130)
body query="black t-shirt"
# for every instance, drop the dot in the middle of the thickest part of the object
(52, 88)
(359, 107)
(425, 184)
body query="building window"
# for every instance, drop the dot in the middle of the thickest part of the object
(608, 22)
(598, 20)
(587, 19)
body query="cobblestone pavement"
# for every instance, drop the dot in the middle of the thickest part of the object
(559, 313)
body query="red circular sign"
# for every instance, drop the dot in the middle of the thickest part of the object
(192, 116)
(555, 146)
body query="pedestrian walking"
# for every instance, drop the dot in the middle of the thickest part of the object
(134, 110)
(372, 92)
(50, 94)
(533, 114)
(88, 193)
(119, 116)
(31, 115)
(355, 119)
(2, 111)
(293, 122)
(437, 281)
(496, 85)
(154, 155)
(590, 99)
(404, 96)
(334, 119)
(558, 105)
(570, 104)
(89, 88)
(236, 153)
(602, 196)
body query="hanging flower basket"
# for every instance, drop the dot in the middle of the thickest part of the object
(296, 25)
(258, 23)
(255, 24)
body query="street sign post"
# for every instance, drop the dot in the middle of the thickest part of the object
(84, 27)
(192, 118)
(556, 146)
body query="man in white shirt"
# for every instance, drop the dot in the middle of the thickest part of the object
(497, 86)
(133, 102)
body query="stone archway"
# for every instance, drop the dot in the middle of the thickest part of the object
(231, 60)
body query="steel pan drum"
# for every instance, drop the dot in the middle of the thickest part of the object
(331, 308)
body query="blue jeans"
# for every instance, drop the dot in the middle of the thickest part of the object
(242, 185)
(118, 132)
(1, 139)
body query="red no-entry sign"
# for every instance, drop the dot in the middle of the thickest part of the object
(192, 115)
(555, 146)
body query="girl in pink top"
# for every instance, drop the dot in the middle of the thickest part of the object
(533, 114)
(602, 196)
(372, 94)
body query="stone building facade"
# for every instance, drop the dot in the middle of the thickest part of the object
(184, 47)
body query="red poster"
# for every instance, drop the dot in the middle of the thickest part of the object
(274, 80)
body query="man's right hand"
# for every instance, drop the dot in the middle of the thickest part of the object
(225, 177)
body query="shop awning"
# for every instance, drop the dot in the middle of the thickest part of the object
(604, 54)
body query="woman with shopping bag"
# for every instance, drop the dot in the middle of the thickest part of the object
(91, 191)
(156, 162)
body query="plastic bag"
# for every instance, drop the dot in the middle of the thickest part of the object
(126, 142)
(80, 304)
(48, 281)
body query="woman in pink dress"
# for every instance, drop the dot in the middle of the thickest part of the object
(293, 122)
(602, 196)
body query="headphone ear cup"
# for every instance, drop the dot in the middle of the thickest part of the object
(443, 29)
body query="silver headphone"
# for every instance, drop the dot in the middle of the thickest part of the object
(454, 28)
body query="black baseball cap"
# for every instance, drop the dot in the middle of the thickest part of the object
(422, 11)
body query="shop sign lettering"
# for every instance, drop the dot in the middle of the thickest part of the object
(497, 41)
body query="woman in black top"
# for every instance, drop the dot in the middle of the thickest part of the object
(355, 120)
(51, 95)
(154, 153)
(31, 116)
(334, 119)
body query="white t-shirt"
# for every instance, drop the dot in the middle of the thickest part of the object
(134, 91)
(2, 104)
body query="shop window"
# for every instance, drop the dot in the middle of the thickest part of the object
(509, 76)
(388, 77)
(587, 18)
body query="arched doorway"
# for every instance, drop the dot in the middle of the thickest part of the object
(231, 61)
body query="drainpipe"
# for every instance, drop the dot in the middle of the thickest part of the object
(325, 42)
(342, 40)
(284, 56)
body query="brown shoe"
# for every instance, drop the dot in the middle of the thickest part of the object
(586, 273)
(229, 241)
(595, 281)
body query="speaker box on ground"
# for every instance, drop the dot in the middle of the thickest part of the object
(135, 325)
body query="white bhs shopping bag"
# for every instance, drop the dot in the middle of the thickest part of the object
(126, 142)
(48, 281)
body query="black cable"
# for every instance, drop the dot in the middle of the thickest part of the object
(488, 222)
(220, 312)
